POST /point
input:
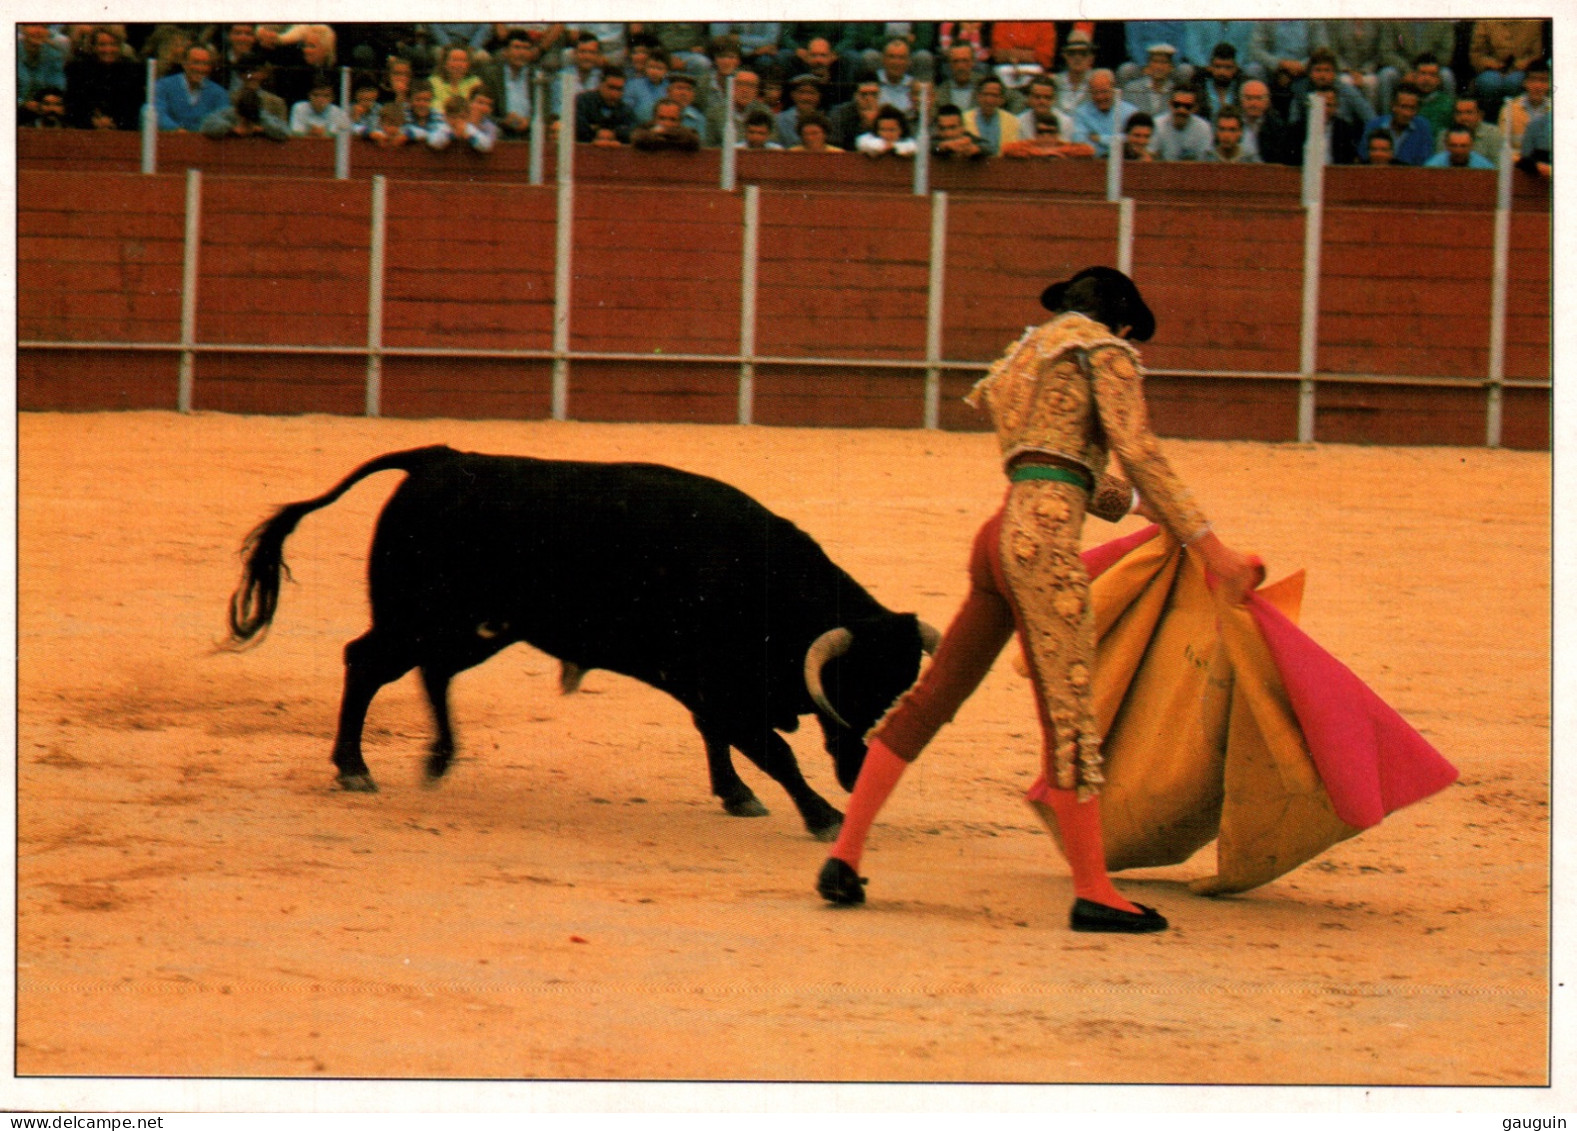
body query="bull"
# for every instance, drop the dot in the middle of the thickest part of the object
(675, 579)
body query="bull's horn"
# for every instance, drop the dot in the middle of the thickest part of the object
(929, 638)
(829, 645)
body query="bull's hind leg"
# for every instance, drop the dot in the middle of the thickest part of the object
(776, 759)
(371, 661)
(437, 672)
(739, 800)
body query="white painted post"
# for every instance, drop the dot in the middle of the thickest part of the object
(539, 125)
(922, 144)
(748, 281)
(1114, 159)
(342, 140)
(186, 381)
(1313, 235)
(375, 270)
(1499, 280)
(564, 247)
(730, 156)
(933, 311)
(150, 122)
(1125, 217)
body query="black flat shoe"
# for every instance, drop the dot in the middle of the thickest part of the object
(1087, 915)
(839, 884)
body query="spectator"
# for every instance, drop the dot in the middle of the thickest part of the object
(472, 37)
(724, 52)
(1104, 115)
(104, 89)
(864, 46)
(606, 137)
(957, 88)
(1041, 94)
(1537, 155)
(318, 116)
(388, 130)
(1281, 49)
(1437, 104)
(821, 62)
(1137, 137)
(240, 42)
(681, 89)
(1202, 38)
(891, 135)
(588, 60)
(363, 107)
(1221, 82)
(1500, 53)
(641, 48)
(1140, 36)
(1516, 113)
(509, 80)
(1402, 43)
(647, 89)
(1182, 135)
(1152, 90)
(1230, 147)
(1459, 152)
(684, 44)
(1072, 83)
(604, 106)
(1381, 150)
(245, 117)
(1342, 136)
(254, 72)
(953, 139)
(1412, 141)
(424, 124)
(973, 34)
(759, 44)
(667, 131)
(167, 45)
(760, 125)
(1487, 139)
(747, 104)
(303, 56)
(1022, 49)
(1263, 125)
(1044, 139)
(396, 85)
(51, 113)
(470, 121)
(453, 79)
(805, 92)
(900, 89)
(858, 115)
(40, 64)
(1321, 76)
(814, 130)
(611, 38)
(1359, 48)
(185, 99)
(994, 126)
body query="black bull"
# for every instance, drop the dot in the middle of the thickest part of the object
(675, 579)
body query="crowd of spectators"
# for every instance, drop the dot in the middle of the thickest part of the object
(1396, 92)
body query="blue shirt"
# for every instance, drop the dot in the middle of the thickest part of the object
(1414, 146)
(1092, 126)
(180, 109)
(1474, 161)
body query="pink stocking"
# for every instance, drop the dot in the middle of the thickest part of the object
(878, 777)
(1080, 823)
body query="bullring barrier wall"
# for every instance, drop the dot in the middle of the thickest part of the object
(823, 293)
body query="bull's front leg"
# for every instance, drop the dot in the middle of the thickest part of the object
(739, 800)
(776, 759)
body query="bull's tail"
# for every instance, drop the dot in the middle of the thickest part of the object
(253, 603)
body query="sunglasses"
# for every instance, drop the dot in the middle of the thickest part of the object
(1182, 105)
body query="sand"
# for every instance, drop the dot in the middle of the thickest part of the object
(196, 899)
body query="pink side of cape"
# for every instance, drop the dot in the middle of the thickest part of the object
(1368, 757)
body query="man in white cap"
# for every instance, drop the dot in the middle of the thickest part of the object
(1152, 91)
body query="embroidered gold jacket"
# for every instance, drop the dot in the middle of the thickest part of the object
(1071, 389)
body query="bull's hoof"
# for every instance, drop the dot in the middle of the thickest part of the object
(840, 884)
(437, 766)
(358, 783)
(827, 833)
(747, 806)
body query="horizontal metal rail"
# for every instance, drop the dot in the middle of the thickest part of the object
(919, 365)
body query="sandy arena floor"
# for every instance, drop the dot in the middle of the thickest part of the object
(195, 899)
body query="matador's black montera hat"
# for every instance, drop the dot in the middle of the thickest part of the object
(1105, 294)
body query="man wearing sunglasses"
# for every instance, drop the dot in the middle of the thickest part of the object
(1182, 135)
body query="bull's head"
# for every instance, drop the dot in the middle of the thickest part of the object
(855, 674)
